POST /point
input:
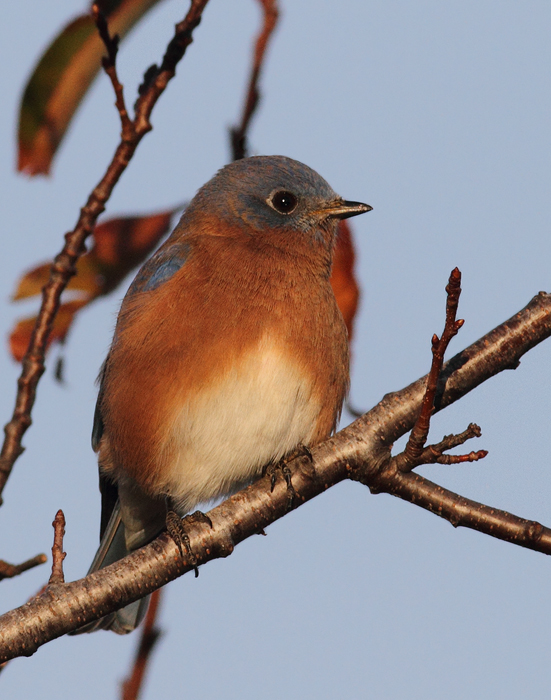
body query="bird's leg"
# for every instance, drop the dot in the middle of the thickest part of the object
(176, 528)
(283, 466)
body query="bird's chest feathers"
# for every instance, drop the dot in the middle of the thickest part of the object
(255, 412)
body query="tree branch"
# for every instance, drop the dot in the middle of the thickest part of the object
(110, 67)
(58, 555)
(360, 452)
(11, 570)
(149, 637)
(64, 265)
(419, 433)
(238, 134)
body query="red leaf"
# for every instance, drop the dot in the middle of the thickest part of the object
(343, 279)
(120, 245)
(21, 335)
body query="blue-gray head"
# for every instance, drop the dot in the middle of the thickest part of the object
(254, 196)
(273, 192)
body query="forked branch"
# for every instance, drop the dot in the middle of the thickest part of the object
(415, 453)
(360, 452)
(64, 265)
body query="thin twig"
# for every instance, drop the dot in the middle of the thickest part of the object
(64, 266)
(359, 452)
(415, 453)
(434, 453)
(11, 570)
(356, 452)
(109, 66)
(418, 437)
(238, 134)
(58, 555)
(150, 634)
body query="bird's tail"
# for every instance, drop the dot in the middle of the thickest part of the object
(112, 548)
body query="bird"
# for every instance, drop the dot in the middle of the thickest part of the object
(229, 354)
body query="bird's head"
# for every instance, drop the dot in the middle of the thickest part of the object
(270, 194)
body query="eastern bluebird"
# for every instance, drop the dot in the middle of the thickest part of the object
(229, 353)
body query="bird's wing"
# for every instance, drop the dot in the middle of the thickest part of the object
(156, 271)
(160, 267)
(111, 549)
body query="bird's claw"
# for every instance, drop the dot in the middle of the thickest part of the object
(176, 528)
(283, 467)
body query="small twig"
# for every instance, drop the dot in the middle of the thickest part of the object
(111, 42)
(419, 434)
(356, 452)
(415, 453)
(434, 454)
(11, 570)
(150, 634)
(354, 411)
(238, 134)
(64, 266)
(460, 459)
(58, 555)
(109, 66)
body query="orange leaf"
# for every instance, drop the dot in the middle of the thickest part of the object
(21, 335)
(32, 282)
(119, 245)
(343, 280)
(61, 79)
(89, 279)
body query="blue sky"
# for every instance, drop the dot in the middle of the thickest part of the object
(436, 114)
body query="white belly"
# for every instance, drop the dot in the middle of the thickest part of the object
(258, 412)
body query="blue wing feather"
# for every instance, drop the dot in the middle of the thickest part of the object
(160, 267)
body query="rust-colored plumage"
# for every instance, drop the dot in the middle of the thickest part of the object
(229, 350)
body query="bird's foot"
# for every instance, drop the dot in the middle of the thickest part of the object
(176, 528)
(283, 467)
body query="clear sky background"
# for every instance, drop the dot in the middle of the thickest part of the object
(438, 115)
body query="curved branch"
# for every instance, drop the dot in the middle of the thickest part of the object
(361, 452)
(64, 265)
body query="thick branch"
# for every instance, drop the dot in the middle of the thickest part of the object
(64, 266)
(361, 452)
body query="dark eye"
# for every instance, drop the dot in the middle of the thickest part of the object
(284, 202)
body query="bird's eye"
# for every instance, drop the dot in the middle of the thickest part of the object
(283, 201)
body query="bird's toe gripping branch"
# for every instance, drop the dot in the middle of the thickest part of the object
(176, 528)
(282, 466)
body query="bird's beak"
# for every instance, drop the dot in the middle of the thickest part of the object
(341, 209)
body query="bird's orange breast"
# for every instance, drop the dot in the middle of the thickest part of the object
(230, 364)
